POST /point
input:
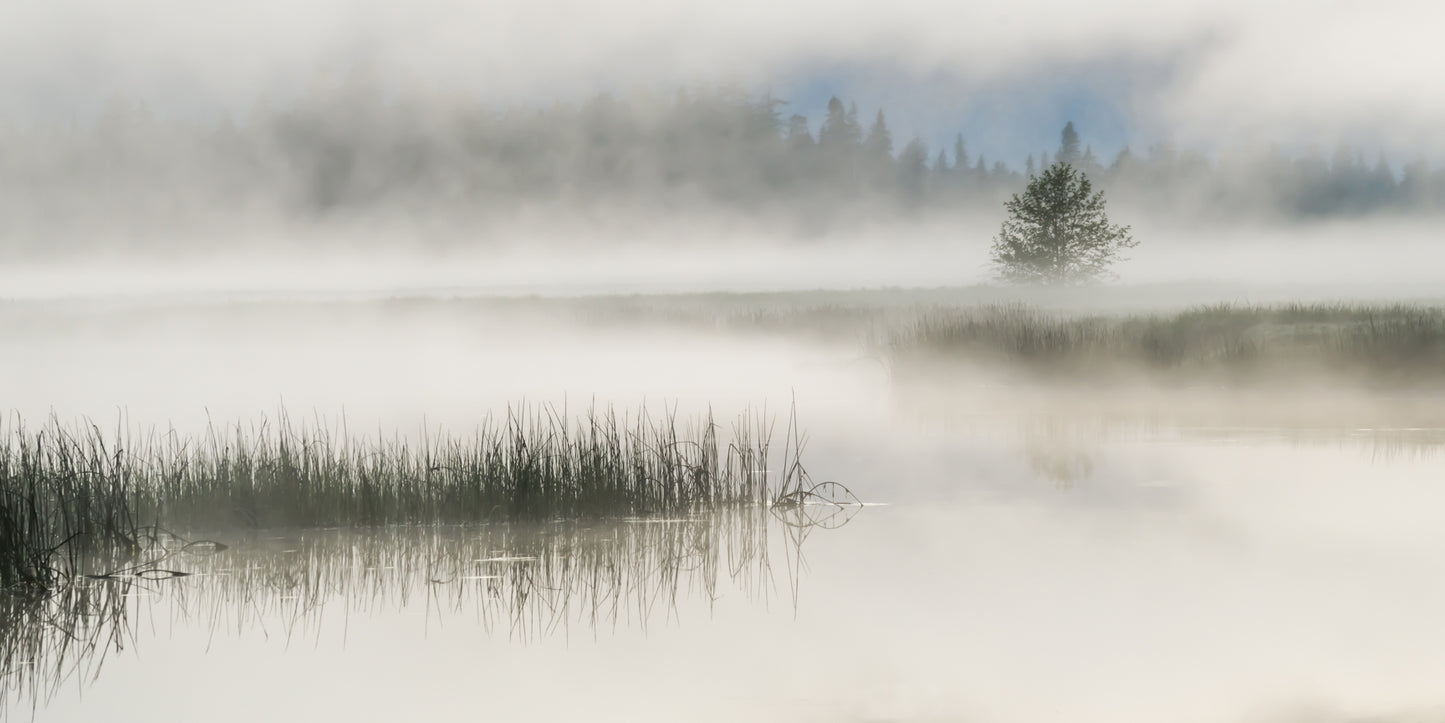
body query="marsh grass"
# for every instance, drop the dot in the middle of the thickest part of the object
(1386, 346)
(67, 492)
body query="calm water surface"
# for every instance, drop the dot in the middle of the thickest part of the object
(1234, 578)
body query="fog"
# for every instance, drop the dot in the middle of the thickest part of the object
(1290, 70)
(1361, 260)
(164, 133)
(1197, 487)
(1089, 556)
(1034, 560)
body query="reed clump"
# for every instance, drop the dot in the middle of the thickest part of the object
(1396, 345)
(68, 491)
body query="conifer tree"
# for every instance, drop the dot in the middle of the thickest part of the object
(913, 169)
(798, 136)
(1057, 232)
(879, 143)
(1069, 145)
(840, 129)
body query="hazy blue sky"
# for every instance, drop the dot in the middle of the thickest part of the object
(1007, 121)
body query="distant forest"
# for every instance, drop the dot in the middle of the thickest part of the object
(353, 150)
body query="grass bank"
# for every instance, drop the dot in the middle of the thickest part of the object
(1380, 346)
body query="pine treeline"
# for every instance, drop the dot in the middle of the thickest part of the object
(353, 150)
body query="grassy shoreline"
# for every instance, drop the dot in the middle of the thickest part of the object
(1381, 346)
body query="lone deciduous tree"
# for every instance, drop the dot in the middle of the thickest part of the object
(1057, 232)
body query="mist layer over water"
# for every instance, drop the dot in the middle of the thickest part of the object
(1357, 260)
(1042, 555)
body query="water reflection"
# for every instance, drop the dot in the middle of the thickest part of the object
(1059, 432)
(1059, 464)
(981, 399)
(521, 581)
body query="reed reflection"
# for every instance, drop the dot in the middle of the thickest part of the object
(524, 581)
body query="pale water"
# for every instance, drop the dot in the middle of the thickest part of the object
(1019, 564)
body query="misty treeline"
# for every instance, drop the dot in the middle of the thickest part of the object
(351, 150)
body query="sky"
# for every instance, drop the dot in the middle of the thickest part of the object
(1198, 73)
(1006, 121)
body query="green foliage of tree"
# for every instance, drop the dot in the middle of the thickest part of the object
(1057, 232)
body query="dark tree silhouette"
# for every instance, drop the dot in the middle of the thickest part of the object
(912, 170)
(840, 129)
(878, 155)
(1069, 145)
(798, 136)
(1057, 232)
(879, 143)
(960, 153)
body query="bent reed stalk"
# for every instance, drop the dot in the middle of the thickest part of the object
(70, 491)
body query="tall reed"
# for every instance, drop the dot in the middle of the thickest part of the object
(70, 490)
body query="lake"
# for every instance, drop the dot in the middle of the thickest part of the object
(1024, 554)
